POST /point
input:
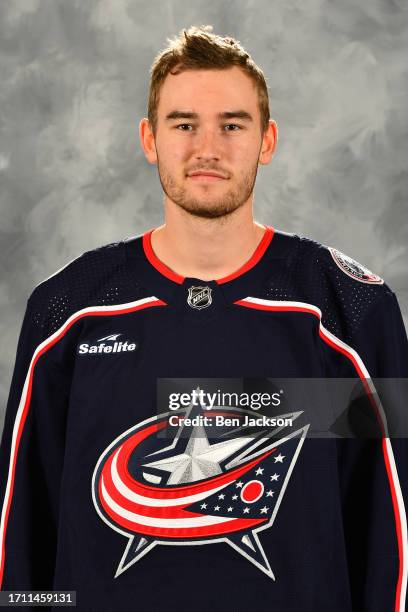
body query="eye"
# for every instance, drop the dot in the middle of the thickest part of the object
(183, 125)
(233, 125)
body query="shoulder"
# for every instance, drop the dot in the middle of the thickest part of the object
(344, 289)
(311, 257)
(98, 277)
(85, 268)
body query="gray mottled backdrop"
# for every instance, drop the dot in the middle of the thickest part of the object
(74, 78)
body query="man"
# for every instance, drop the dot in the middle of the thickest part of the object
(125, 476)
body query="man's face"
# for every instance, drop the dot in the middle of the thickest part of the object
(197, 130)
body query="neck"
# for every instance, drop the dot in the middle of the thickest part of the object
(207, 249)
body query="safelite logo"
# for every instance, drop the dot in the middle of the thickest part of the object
(111, 347)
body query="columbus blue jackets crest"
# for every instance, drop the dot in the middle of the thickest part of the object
(191, 491)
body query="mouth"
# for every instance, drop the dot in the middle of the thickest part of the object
(207, 177)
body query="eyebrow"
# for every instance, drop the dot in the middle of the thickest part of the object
(238, 114)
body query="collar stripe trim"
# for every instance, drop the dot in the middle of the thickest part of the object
(177, 278)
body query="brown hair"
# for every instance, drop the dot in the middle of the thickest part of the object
(199, 49)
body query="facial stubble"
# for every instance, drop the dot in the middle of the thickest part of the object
(209, 205)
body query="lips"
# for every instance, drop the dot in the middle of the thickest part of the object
(208, 173)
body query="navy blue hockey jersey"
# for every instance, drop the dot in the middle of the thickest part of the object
(137, 503)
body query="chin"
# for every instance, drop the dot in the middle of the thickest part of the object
(209, 213)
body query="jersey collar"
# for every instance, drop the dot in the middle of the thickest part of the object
(177, 278)
(159, 280)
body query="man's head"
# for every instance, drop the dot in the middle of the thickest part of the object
(208, 110)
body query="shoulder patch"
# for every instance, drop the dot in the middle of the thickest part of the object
(354, 269)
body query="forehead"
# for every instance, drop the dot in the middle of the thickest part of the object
(206, 90)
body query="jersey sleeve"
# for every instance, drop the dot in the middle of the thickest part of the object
(31, 458)
(373, 471)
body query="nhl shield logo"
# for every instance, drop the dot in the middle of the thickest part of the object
(199, 297)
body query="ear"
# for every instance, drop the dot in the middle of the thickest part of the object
(269, 142)
(147, 141)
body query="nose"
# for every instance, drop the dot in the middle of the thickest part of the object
(207, 145)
